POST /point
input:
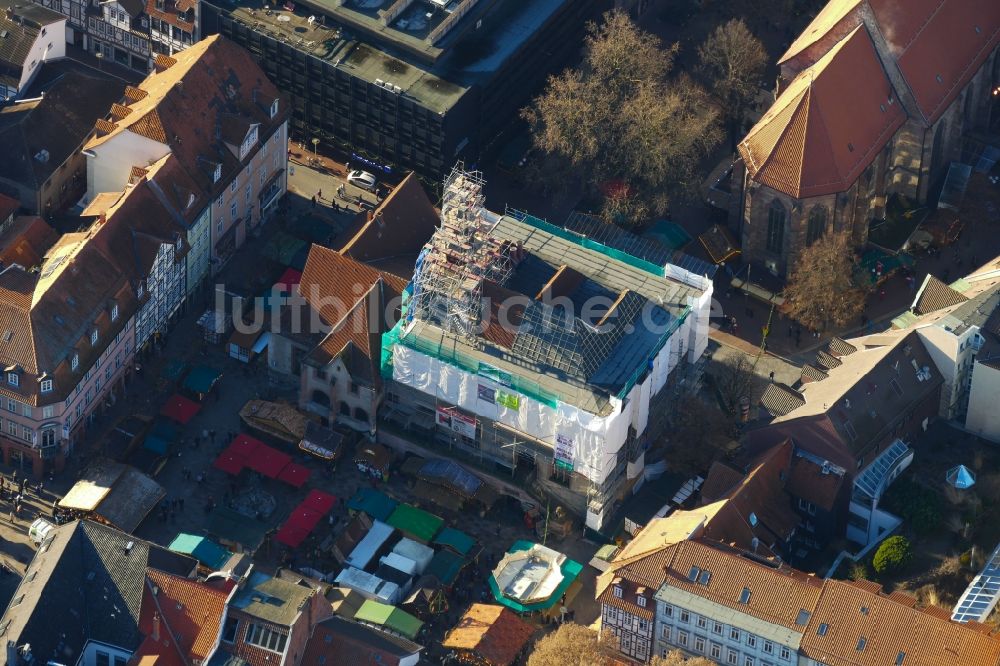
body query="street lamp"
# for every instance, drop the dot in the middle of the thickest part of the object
(315, 142)
(100, 56)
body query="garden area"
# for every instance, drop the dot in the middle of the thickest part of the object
(947, 532)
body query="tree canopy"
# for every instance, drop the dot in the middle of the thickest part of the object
(821, 290)
(620, 125)
(733, 62)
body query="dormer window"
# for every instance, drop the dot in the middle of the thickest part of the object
(75, 362)
(249, 142)
(141, 290)
(93, 337)
(114, 312)
(640, 601)
(217, 174)
(618, 591)
(274, 108)
(46, 386)
(12, 378)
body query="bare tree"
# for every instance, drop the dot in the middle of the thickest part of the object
(572, 644)
(821, 290)
(733, 61)
(619, 118)
(734, 379)
(677, 658)
(700, 433)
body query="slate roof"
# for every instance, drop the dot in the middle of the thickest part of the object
(15, 43)
(85, 583)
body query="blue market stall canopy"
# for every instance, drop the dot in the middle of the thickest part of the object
(202, 378)
(160, 436)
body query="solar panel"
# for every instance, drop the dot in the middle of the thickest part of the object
(978, 600)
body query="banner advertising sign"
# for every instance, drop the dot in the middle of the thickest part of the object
(564, 452)
(487, 394)
(464, 425)
(508, 400)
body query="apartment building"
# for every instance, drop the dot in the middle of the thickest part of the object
(536, 346)
(32, 35)
(739, 608)
(130, 33)
(224, 124)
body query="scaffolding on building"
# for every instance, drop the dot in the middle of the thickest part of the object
(460, 258)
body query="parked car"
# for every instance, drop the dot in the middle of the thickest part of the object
(362, 179)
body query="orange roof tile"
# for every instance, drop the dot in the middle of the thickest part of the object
(402, 223)
(340, 288)
(863, 628)
(816, 139)
(190, 613)
(777, 593)
(494, 633)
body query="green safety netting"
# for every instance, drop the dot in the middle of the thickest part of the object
(669, 233)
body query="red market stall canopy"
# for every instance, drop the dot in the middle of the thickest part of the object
(179, 408)
(289, 279)
(244, 446)
(268, 461)
(295, 475)
(229, 463)
(319, 501)
(304, 518)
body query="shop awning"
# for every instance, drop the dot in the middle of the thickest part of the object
(295, 475)
(179, 408)
(268, 461)
(202, 378)
(261, 343)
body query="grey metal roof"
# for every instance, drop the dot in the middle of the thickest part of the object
(85, 583)
(603, 269)
(973, 312)
(272, 599)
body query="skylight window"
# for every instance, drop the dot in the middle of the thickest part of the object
(693, 574)
(705, 577)
(745, 595)
(861, 644)
(803, 617)
(823, 628)
(900, 658)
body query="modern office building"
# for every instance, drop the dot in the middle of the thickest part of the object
(526, 344)
(405, 84)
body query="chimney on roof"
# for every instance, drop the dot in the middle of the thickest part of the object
(156, 627)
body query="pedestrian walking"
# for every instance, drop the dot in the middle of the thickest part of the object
(41, 486)
(12, 516)
(314, 201)
(319, 195)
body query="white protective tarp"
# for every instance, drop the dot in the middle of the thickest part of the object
(596, 439)
(366, 549)
(400, 563)
(361, 582)
(416, 552)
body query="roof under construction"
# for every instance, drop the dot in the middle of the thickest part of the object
(579, 319)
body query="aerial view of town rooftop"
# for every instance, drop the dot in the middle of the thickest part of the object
(498, 332)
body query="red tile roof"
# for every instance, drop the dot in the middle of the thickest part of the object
(343, 291)
(26, 241)
(865, 628)
(816, 139)
(493, 633)
(189, 615)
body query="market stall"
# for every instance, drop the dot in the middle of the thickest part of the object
(180, 409)
(278, 420)
(373, 460)
(374, 503)
(323, 443)
(201, 380)
(112, 493)
(415, 523)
